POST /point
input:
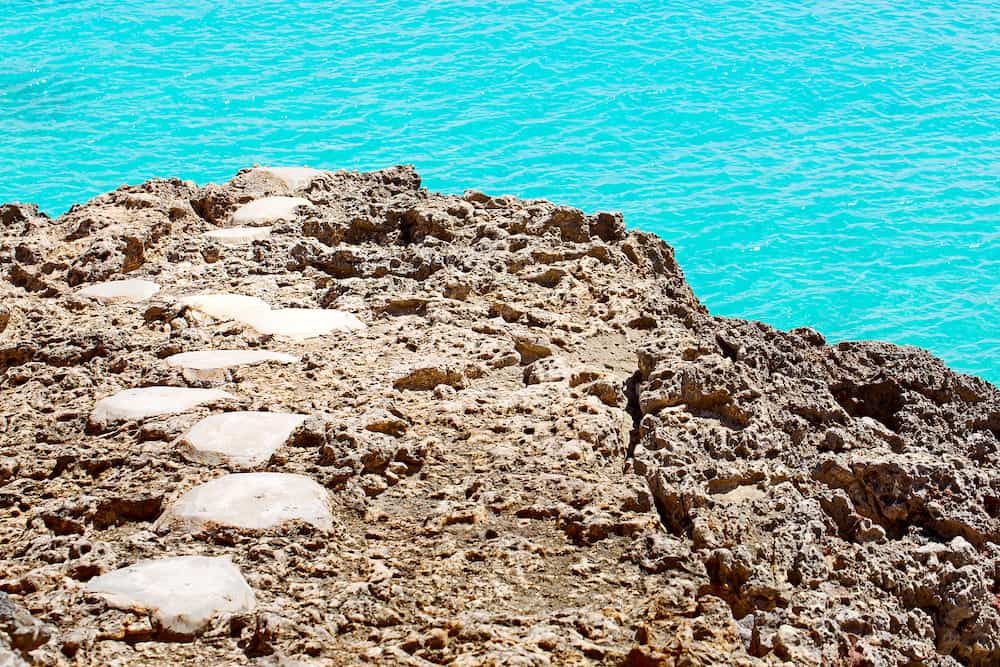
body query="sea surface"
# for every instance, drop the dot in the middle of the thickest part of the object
(832, 163)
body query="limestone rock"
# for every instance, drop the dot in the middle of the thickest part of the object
(183, 595)
(239, 439)
(267, 210)
(253, 501)
(152, 401)
(121, 290)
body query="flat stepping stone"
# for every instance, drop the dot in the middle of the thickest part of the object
(239, 235)
(240, 439)
(268, 209)
(152, 401)
(253, 501)
(182, 594)
(296, 323)
(131, 290)
(295, 178)
(209, 360)
(227, 306)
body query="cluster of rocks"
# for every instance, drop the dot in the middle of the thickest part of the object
(309, 417)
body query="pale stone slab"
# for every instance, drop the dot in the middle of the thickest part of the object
(182, 594)
(239, 235)
(252, 500)
(268, 209)
(242, 439)
(296, 323)
(121, 290)
(207, 360)
(295, 178)
(300, 323)
(152, 401)
(227, 306)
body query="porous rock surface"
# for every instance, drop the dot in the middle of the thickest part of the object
(541, 450)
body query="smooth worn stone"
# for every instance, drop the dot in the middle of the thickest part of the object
(296, 323)
(268, 209)
(226, 306)
(295, 178)
(152, 401)
(130, 290)
(240, 439)
(239, 235)
(182, 594)
(253, 500)
(215, 359)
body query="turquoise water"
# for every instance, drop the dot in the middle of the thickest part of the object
(835, 164)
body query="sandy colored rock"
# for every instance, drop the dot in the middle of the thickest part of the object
(152, 401)
(239, 439)
(183, 594)
(121, 290)
(267, 210)
(254, 501)
(238, 235)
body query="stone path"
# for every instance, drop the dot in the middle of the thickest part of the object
(239, 439)
(253, 501)
(121, 290)
(182, 594)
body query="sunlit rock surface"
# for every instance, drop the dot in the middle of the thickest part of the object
(295, 178)
(294, 323)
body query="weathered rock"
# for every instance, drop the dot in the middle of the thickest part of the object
(214, 359)
(542, 448)
(182, 595)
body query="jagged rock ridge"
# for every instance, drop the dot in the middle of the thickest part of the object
(537, 446)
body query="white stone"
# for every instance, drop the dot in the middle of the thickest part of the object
(182, 594)
(227, 306)
(121, 290)
(239, 235)
(152, 401)
(214, 359)
(295, 178)
(296, 323)
(252, 500)
(300, 323)
(242, 439)
(268, 209)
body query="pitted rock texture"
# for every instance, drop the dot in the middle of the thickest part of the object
(538, 447)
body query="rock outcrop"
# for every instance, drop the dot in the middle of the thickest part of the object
(505, 432)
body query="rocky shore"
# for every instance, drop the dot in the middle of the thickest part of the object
(317, 418)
